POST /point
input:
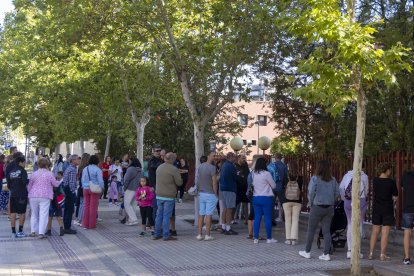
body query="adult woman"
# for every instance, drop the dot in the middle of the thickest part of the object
(40, 190)
(4, 195)
(79, 195)
(92, 173)
(105, 174)
(262, 199)
(345, 189)
(131, 185)
(183, 168)
(323, 191)
(292, 203)
(385, 194)
(58, 167)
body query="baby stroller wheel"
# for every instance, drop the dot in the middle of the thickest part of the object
(318, 242)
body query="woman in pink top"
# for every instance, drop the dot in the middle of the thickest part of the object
(40, 190)
(263, 186)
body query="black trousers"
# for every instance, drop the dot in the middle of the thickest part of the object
(105, 191)
(146, 213)
(70, 200)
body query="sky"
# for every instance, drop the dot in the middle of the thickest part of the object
(5, 6)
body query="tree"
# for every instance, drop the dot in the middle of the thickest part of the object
(344, 65)
(208, 44)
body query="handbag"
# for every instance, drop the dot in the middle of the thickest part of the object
(193, 190)
(96, 189)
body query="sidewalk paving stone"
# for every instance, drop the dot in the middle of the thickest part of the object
(116, 249)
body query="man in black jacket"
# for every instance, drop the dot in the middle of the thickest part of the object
(17, 181)
(407, 184)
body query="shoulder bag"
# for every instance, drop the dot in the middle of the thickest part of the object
(96, 189)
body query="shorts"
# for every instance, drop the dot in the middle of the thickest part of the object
(18, 205)
(383, 218)
(229, 199)
(55, 211)
(173, 213)
(407, 221)
(207, 204)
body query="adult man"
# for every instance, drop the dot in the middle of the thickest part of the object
(153, 165)
(203, 159)
(66, 164)
(407, 184)
(242, 174)
(279, 172)
(17, 184)
(69, 187)
(228, 189)
(207, 187)
(168, 179)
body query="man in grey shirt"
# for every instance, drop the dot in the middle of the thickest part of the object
(207, 187)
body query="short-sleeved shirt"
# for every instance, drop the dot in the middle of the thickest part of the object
(384, 190)
(407, 183)
(205, 182)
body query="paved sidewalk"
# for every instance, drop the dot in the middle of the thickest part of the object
(116, 249)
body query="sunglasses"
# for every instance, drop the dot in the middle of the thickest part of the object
(158, 150)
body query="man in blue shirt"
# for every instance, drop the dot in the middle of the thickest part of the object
(279, 172)
(228, 189)
(69, 187)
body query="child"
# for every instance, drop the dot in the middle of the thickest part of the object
(55, 209)
(113, 191)
(144, 197)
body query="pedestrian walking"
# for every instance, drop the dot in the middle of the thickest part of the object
(144, 196)
(292, 203)
(323, 191)
(92, 173)
(131, 185)
(385, 194)
(40, 190)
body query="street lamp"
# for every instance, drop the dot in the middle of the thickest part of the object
(258, 134)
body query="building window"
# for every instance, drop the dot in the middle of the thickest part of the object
(244, 142)
(243, 119)
(253, 142)
(262, 119)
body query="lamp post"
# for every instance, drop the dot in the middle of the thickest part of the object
(258, 134)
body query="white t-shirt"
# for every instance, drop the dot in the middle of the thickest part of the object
(118, 174)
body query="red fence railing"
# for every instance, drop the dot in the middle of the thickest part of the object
(399, 161)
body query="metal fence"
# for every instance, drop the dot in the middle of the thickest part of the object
(400, 162)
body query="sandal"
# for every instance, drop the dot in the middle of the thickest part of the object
(384, 258)
(370, 256)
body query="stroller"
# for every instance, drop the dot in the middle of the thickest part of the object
(338, 228)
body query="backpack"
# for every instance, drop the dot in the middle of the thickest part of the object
(272, 168)
(348, 191)
(292, 190)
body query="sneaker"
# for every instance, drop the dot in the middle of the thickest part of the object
(180, 200)
(271, 241)
(288, 242)
(305, 254)
(21, 235)
(142, 234)
(349, 255)
(230, 232)
(325, 257)
(173, 233)
(255, 241)
(209, 238)
(49, 233)
(41, 237)
(294, 242)
(407, 261)
(199, 237)
(61, 232)
(99, 219)
(110, 204)
(170, 238)
(132, 223)
(154, 238)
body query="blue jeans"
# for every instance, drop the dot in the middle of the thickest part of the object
(80, 213)
(262, 206)
(164, 212)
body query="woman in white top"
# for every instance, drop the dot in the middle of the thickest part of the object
(263, 185)
(345, 190)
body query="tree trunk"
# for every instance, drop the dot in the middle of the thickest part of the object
(199, 129)
(140, 127)
(82, 146)
(108, 143)
(67, 148)
(57, 149)
(356, 182)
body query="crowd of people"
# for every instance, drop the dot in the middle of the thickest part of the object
(71, 190)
